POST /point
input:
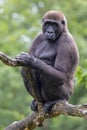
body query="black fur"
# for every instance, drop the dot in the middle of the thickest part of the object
(54, 57)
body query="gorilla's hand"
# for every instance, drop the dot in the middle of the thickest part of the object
(24, 59)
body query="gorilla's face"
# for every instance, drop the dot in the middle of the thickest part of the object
(50, 30)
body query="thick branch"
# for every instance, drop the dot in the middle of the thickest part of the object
(60, 108)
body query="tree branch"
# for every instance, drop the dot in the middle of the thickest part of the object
(60, 108)
(36, 119)
(9, 61)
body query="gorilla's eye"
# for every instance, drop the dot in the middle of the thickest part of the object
(47, 25)
(63, 22)
(55, 26)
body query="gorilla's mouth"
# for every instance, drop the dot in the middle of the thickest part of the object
(50, 37)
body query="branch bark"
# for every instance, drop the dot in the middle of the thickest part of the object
(7, 60)
(60, 108)
(36, 119)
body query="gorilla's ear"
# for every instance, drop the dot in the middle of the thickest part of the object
(63, 22)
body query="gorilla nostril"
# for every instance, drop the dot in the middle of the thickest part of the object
(50, 32)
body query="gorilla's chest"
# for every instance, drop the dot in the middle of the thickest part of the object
(46, 51)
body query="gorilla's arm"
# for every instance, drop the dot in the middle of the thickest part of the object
(49, 72)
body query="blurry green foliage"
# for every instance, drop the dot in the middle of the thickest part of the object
(20, 22)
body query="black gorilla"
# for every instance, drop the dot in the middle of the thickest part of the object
(51, 62)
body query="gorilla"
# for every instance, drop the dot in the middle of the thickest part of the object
(50, 65)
